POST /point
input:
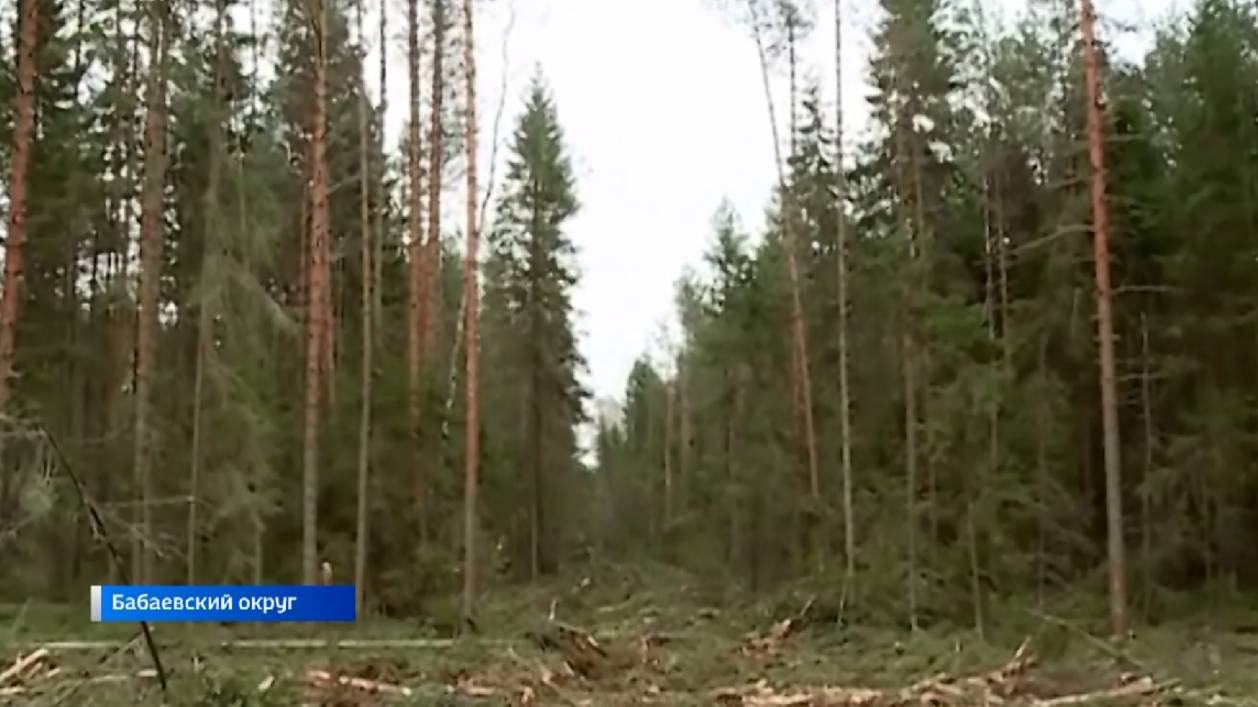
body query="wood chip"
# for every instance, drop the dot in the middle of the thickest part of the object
(15, 672)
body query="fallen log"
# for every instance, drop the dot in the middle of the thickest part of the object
(322, 678)
(1140, 688)
(270, 643)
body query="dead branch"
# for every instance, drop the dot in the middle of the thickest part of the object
(103, 533)
(1103, 645)
(1140, 688)
(22, 665)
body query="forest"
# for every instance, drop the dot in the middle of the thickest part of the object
(985, 363)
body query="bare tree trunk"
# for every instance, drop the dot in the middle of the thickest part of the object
(792, 63)
(70, 298)
(415, 271)
(1146, 521)
(845, 412)
(436, 161)
(976, 589)
(921, 238)
(317, 334)
(731, 477)
(991, 218)
(471, 299)
(256, 519)
(1105, 329)
(150, 278)
(205, 319)
(22, 130)
(668, 456)
(910, 451)
(909, 366)
(1041, 475)
(364, 417)
(799, 338)
(377, 260)
(535, 439)
(653, 512)
(686, 431)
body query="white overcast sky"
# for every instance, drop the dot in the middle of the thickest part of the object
(664, 116)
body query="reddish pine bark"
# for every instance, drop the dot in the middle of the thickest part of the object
(1105, 328)
(23, 126)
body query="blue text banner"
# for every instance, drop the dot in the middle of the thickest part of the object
(178, 602)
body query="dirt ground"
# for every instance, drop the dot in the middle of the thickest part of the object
(622, 639)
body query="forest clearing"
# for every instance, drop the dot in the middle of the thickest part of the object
(633, 636)
(958, 407)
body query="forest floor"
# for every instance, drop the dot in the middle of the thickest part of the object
(628, 636)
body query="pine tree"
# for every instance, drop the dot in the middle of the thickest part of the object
(151, 221)
(368, 336)
(1105, 330)
(28, 26)
(530, 274)
(318, 324)
(471, 299)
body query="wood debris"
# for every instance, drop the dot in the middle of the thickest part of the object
(524, 695)
(25, 669)
(324, 679)
(1002, 686)
(580, 650)
(768, 644)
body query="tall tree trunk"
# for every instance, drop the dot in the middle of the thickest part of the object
(257, 519)
(669, 396)
(377, 260)
(471, 300)
(993, 411)
(1041, 473)
(415, 274)
(792, 66)
(75, 372)
(205, 316)
(150, 278)
(1105, 329)
(732, 415)
(317, 324)
(909, 372)
(536, 466)
(845, 419)
(436, 161)
(1146, 520)
(921, 237)
(799, 338)
(21, 158)
(910, 452)
(364, 416)
(686, 430)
